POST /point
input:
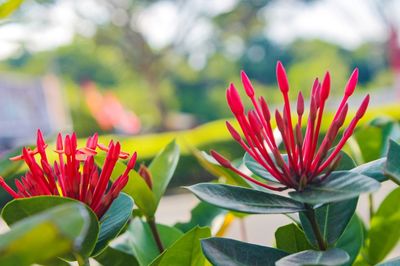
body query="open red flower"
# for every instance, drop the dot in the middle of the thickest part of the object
(307, 160)
(74, 175)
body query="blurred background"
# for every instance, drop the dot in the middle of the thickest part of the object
(150, 71)
(134, 67)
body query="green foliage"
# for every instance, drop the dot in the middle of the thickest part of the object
(338, 186)
(141, 243)
(330, 257)
(291, 238)
(8, 7)
(245, 200)
(46, 235)
(383, 234)
(392, 168)
(185, 251)
(19, 209)
(332, 220)
(116, 257)
(224, 251)
(113, 221)
(352, 239)
(203, 214)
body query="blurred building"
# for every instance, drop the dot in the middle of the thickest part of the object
(27, 104)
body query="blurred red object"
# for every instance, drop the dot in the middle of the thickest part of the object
(108, 111)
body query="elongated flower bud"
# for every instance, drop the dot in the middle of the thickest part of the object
(265, 109)
(300, 104)
(363, 107)
(282, 78)
(326, 87)
(234, 101)
(247, 85)
(220, 159)
(236, 136)
(351, 83)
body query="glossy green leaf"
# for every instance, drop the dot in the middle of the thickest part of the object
(9, 6)
(19, 209)
(163, 167)
(142, 244)
(384, 230)
(312, 257)
(346, 163)
(44, 236)
(112, 222)
(392, 167)
(372, 169)
(144, 198)
(332, 219)
(245, 200)
(201, 215)
(258, 169)
(352, 239)
(340, 185)
(291, 238)
(186, 250)
(392, 262)
(116, 257)
(224, 251)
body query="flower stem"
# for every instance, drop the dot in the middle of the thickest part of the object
(310, 213)
(371, 206)
(153, 227)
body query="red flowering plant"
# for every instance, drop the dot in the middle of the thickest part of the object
(318, 175)
(75, 174)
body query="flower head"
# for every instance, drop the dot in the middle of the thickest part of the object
(306, 159)
(74, 175)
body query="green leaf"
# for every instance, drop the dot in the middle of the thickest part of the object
(291, 238)
(244, 200)
(142, 244)
(202, 215)
(392, 262)
(186, 250)
(346, 163)
(392, 167)
(163, 167)
(384, 230)
(42, 237)
(8, 7)
(372, 169)
(338, 186)
(258, 169)
(19, 209)
(142, 194)
(112, 222)
(224, 251)
(312, 257)
(332, 220)
(116, 257)
(352, 239)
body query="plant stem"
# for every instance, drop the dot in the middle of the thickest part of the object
(371, 205)
(153, 227)
(310, 213)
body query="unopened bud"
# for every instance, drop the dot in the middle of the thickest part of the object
(234, 101)
(282, 78)
(220, 159)
(248, 87)
(145, 173)
(352, 83)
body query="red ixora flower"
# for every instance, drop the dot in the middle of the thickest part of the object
(306, 161)
(74, 175)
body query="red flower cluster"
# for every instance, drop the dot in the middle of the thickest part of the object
(306, 160)
(75, 175)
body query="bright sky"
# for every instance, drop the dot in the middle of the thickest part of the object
(348, 23)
